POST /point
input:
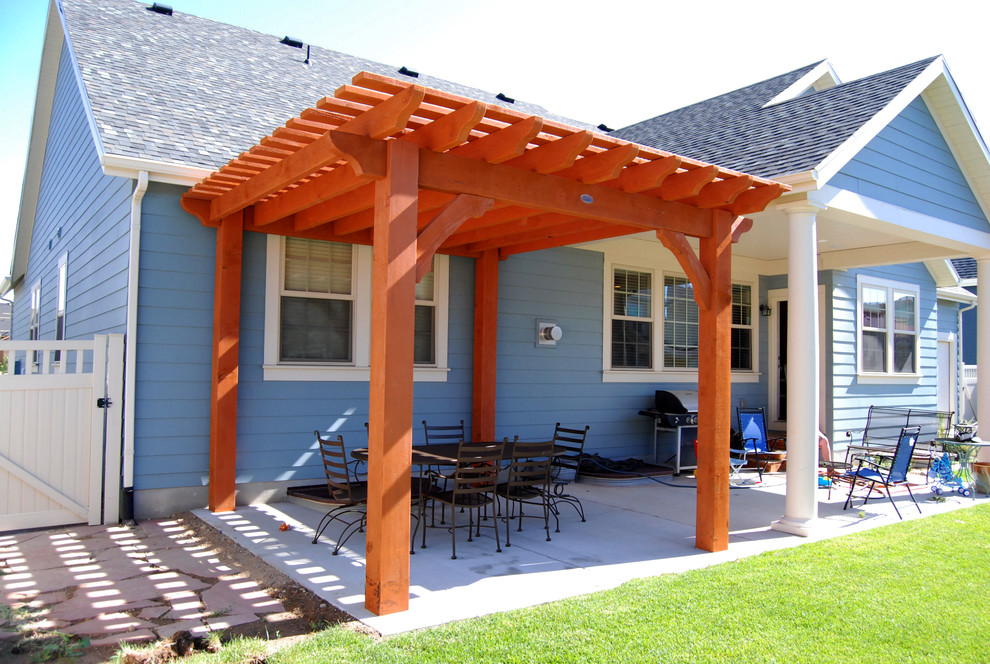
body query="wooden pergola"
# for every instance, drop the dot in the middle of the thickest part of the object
(415, 171)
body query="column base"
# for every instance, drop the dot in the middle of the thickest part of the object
(794, 526)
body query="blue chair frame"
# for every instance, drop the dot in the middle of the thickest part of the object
(753, 429)
(893, 475)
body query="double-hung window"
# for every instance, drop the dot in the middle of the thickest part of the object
(889, 325)
(318, 313)
(662, 334)
(316, 302)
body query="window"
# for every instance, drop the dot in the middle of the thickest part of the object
(60, 311)
(316, 302)
(888, 330)
(318, 313)
(680, 324)
(34, 321)
(742, 327)
(633, 318)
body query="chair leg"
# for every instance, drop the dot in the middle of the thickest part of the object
(911, 493)
(887, 487)
(453, 533)
(498, 544)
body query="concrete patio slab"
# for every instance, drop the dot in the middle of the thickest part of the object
(631, 532)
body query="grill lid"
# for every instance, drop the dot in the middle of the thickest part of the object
(676, 401)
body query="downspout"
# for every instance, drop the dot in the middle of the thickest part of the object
(961, 382)
(130, 351)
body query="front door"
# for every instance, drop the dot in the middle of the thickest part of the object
(777, 362)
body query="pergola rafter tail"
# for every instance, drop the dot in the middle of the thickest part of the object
(413, 172)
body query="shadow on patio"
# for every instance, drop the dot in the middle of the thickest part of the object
(631, 532)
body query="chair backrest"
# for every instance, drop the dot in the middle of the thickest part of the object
(902, 454)
(753, 428)
(530, 466)
(478, 466)
(335, 467)
(572, 440)
(444, 433)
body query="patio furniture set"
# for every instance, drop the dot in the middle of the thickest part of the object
(890, 447)
(471, 477)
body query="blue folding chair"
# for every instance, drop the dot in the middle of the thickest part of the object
(893, 475)
(753, 429)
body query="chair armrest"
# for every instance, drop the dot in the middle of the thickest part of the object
(772, 443)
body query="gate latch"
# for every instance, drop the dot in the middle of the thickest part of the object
(104, 402)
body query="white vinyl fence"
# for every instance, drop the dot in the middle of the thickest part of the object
(60, 424)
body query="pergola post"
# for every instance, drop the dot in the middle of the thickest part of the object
(715, 388)
(391, 391)
(485, 346)
(226, 342)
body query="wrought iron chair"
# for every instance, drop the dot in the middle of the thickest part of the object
(753, 428)
(565, 468)
(527, 483)
(472, 483)
(441, 433)
(445, 433)
(893, 475)
(348, 495)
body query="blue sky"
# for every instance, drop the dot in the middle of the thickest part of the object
(614, 62)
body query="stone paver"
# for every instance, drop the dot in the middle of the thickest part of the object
(125, 583)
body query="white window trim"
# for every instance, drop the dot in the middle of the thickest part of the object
(657, 373)
(360, 369)
(61, 294)
(889, 376)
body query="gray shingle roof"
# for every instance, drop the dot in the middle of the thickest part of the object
(965, 267)
(187, 90)
(734, 130)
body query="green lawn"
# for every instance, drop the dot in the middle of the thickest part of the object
(916, 591)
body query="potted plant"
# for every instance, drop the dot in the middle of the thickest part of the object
(966, 429)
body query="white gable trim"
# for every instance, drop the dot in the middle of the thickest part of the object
(83, 94)
(821, 77)
(841, 156)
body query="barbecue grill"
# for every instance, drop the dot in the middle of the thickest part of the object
(675, 429)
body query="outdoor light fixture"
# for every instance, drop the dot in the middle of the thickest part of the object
(765, 310)
(548, 333)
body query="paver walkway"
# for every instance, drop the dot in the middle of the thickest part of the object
(126, 583)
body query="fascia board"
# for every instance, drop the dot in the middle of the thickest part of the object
(823, 68)
(158, 171)
(839, 157)
(958, 127)
(953, 295)
(917, 225)
(38, 139)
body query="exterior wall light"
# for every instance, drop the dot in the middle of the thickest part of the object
(548, 333)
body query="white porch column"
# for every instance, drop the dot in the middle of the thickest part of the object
(983, 351)
(801, 502)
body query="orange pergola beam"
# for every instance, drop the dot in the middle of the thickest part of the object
(226, 341)
(391, 391)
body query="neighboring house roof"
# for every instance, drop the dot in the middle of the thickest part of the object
(184, 89)
(965, 268)
(747, 131)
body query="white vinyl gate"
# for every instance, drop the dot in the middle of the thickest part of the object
(61, 405)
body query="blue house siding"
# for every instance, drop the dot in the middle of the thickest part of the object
(851, 396)
(910, 165)
(175, 344)
(80, 212)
